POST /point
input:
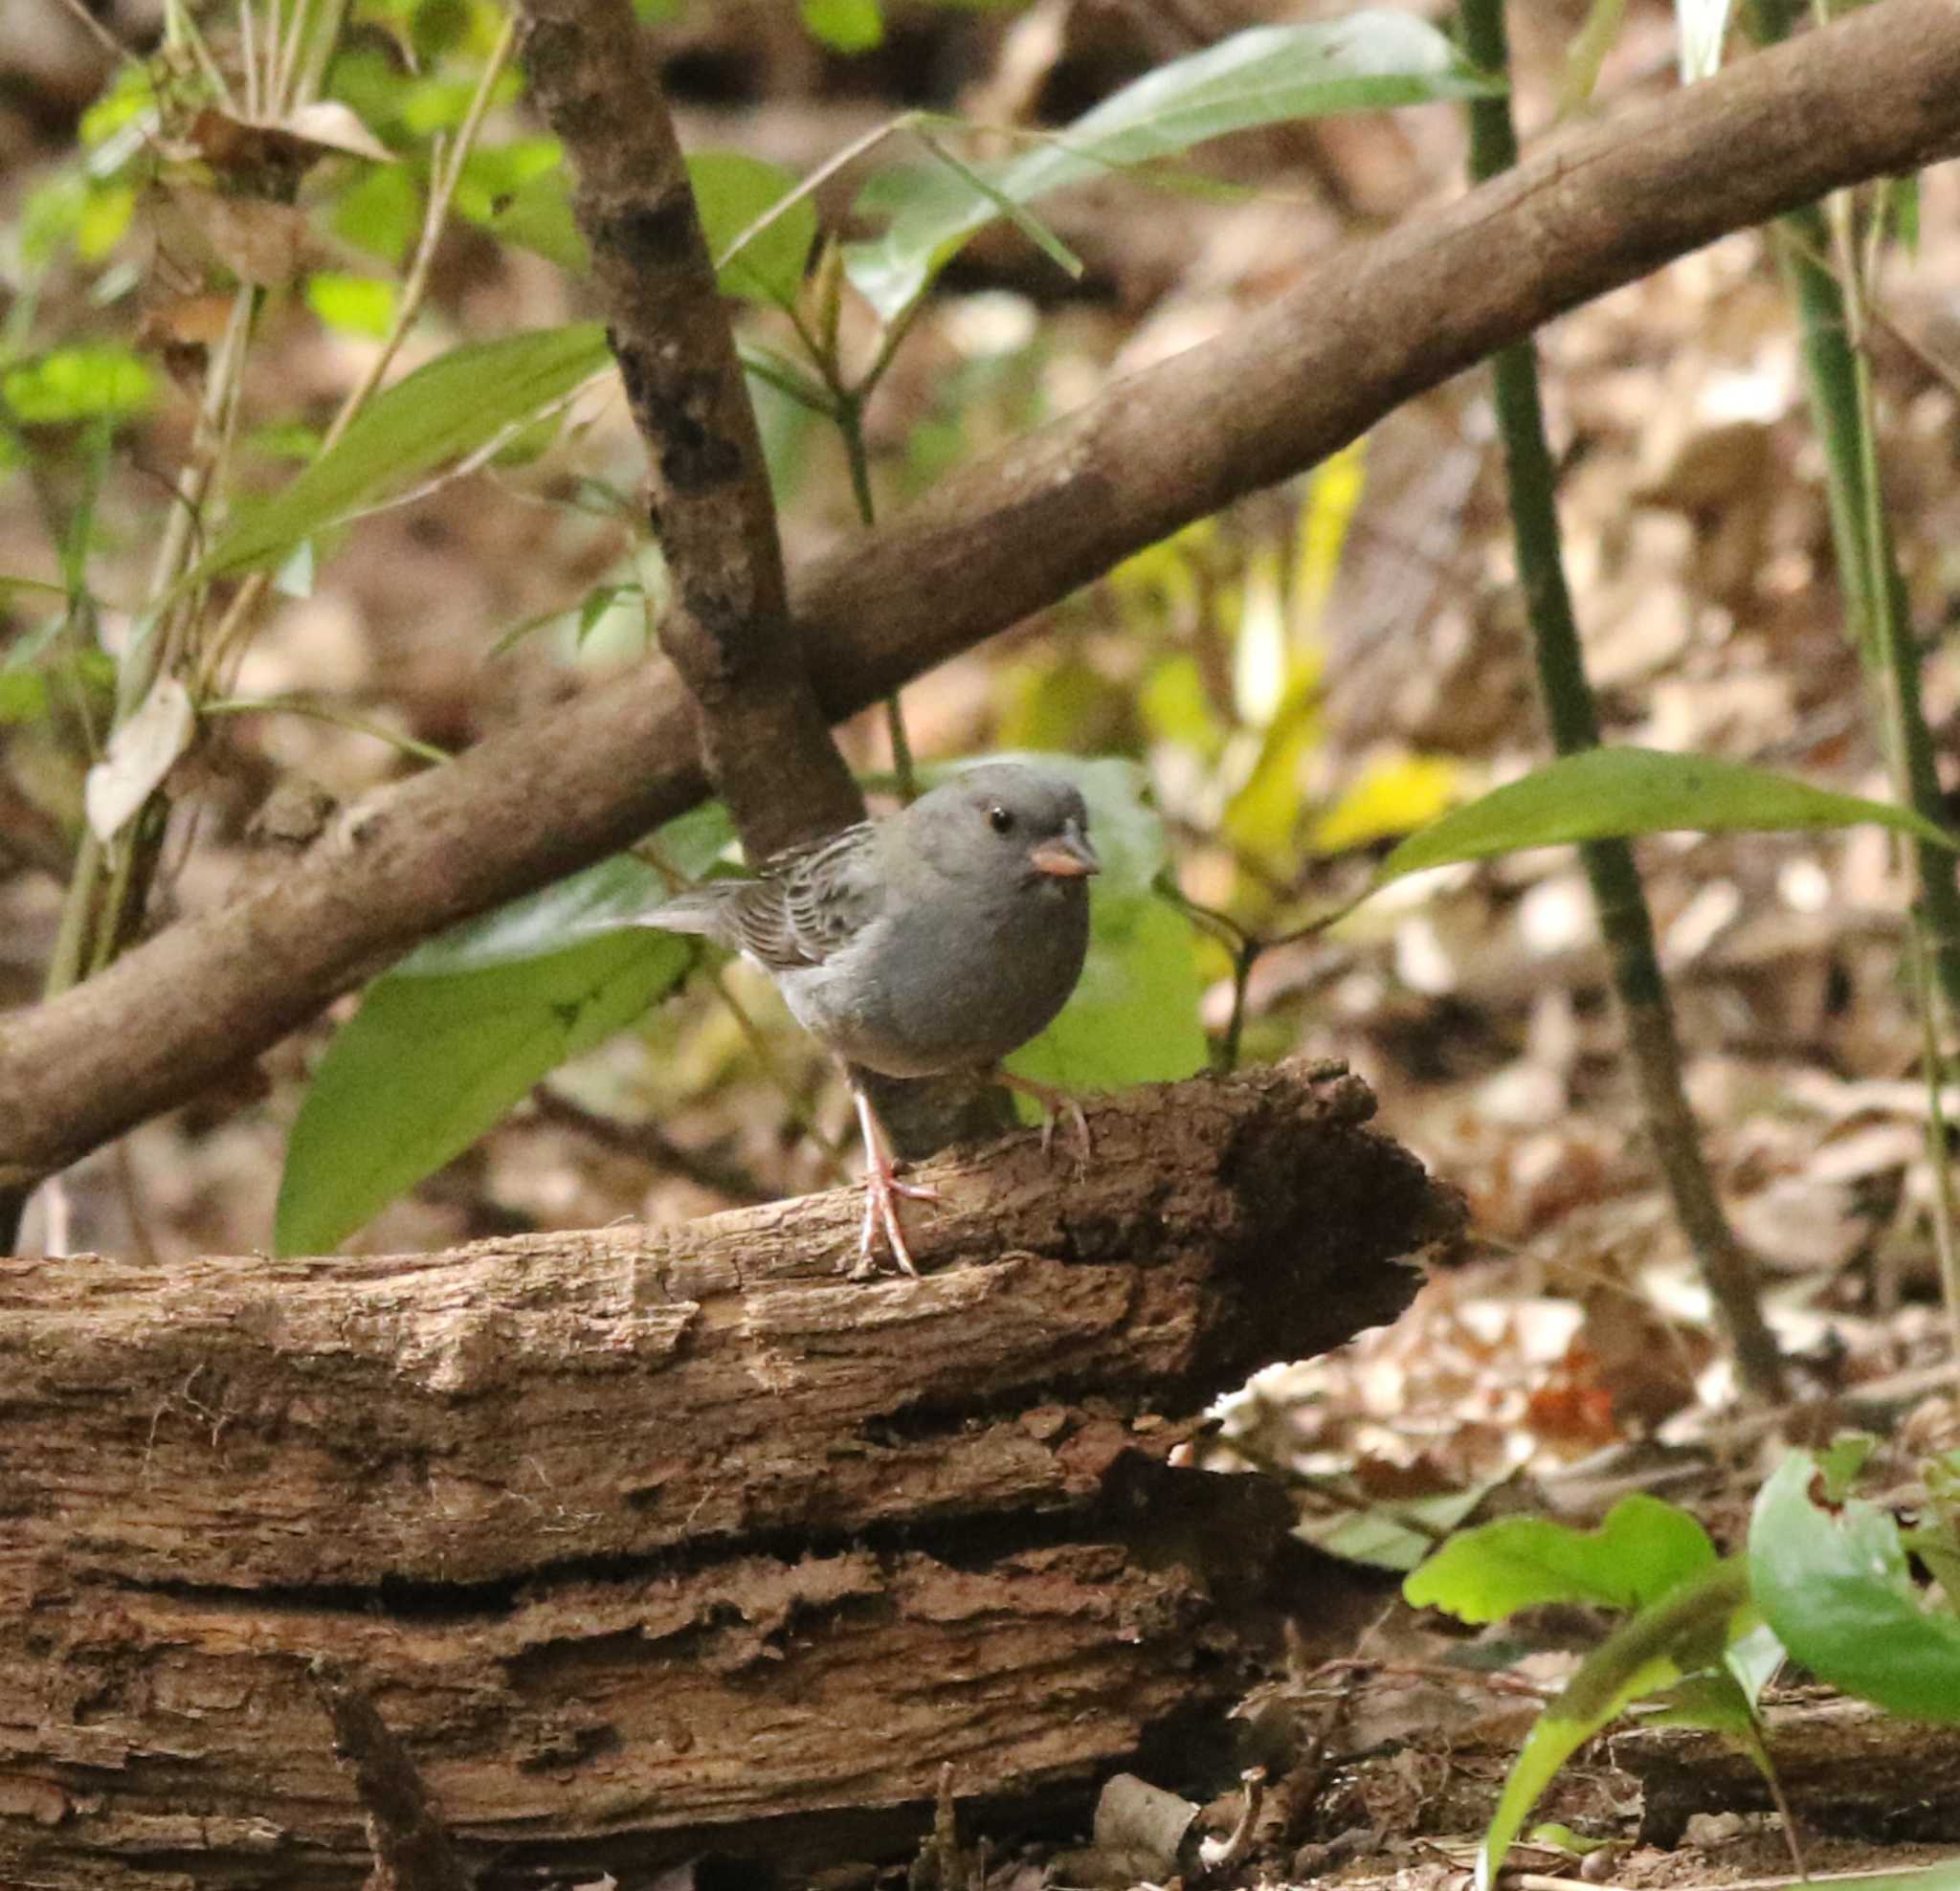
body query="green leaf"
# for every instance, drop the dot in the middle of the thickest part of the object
(445, 408)
(606, 897)
(1609, 793)
(1644, 1550)
(1394, 1533)
(79, 383)
(731, 190)
(428, 1064)
(1838, 1590)
(845, 26)
(1682, 1635)
(448, 1040)
(537, 217)
(521, 192)
(1133, 1017)
(1365, 60)
(23, 695)
(381, 212)
(354, 304)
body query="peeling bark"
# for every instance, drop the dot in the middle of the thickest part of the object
(645, 1541)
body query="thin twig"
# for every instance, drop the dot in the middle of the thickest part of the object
(445, 175)
(325, 712)
(649, 1143)
(94, 27)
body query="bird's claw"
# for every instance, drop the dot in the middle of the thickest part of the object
(883, 1190)
(1055, 1105)
(1084, 1142)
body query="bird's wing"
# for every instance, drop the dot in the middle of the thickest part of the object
(800, 908)
(828, 893)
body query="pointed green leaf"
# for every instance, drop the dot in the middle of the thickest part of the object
(731, 191)
(1609, 793)
(1359, 63)
(448, 1040)
(1681, 1635)
(445, 408)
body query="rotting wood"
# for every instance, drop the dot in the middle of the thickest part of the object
(1848, 1769)
(645, 1540)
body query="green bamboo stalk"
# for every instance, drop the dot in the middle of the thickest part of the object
(1830, 301)
(1838, 380)
(1625, 923)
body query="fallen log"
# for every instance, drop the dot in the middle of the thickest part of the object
(1847, 1768)
(649, 1541)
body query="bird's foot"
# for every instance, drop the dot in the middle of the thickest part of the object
(1055, 1104)
(882, 1193)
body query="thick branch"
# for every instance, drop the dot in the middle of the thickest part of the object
(1874, 94)
(765, 741)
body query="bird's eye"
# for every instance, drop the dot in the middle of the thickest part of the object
(999, 819)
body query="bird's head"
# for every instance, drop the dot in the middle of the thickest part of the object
(1012, 824)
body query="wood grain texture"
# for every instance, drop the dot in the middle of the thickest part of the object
(642, 1536)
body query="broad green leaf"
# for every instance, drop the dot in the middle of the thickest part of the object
(381, 212)
(449, 1039)
(846, 26)
(1681, 1635)
(1362, 61)
(1839, 1592)
(1617, 792)
(354, 304)
(428, 1064)
(616, 894)
(537, 217)
(521, 192)
(731, 191)
(1644, 1550)
(79, 383)
(447, 406)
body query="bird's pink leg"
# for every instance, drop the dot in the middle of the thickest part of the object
(1054, 1103)
(883, 1188)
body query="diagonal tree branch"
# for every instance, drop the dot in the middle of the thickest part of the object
(765, 741)
(1874, 93)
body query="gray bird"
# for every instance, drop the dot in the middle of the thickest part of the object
(936, 940)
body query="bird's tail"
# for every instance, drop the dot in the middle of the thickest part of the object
(697, 910)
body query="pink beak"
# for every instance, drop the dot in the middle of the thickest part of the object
(1068, 856)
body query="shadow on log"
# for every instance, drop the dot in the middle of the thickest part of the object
(647, 1542)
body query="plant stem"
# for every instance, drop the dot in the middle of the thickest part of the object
(1624, 920)
(1822, 273)
(851, 424)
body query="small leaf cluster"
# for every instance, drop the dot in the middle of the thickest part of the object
(1825, 1580)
